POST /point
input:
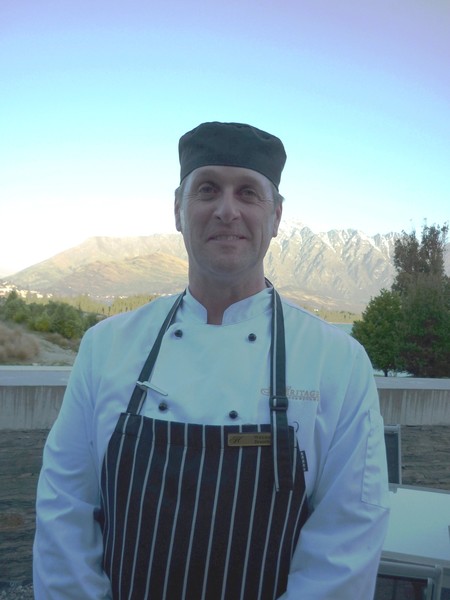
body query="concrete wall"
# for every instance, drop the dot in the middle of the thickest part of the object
(30, 398)
(411, 401)
(30, 407)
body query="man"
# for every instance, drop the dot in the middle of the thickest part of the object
(223, 443)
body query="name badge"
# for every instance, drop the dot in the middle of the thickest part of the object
(249, 439)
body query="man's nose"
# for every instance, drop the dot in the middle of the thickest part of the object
(227, 208)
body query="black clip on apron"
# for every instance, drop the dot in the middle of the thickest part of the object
(202, 512)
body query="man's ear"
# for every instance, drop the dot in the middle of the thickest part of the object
(276, 223)
(177, 211)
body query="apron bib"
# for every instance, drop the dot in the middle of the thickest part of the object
(202, 512)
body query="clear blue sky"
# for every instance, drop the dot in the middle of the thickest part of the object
(95, 95)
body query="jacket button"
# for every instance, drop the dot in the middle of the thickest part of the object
(178, 333)
(233, 414)
(162, 406)
(251, 337)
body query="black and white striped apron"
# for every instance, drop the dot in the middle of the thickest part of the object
(209, 512)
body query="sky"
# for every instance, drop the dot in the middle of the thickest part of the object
(94, 97)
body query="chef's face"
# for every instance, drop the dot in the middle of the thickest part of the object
(227, 216)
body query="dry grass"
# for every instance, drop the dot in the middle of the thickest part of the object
(16, 346)
(59, 340)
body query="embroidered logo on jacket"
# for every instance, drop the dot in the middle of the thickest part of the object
(307, 395)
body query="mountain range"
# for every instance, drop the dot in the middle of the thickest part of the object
(336, 270)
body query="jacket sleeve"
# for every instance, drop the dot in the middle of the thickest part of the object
(339, 548)
(67, 552)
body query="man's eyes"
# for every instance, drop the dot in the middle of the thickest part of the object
(209, 190)
(249, 193)
(206, 189)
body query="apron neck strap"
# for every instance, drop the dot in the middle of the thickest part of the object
(140, 391)
(278, 402)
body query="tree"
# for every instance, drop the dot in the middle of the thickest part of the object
(378, 331)
(413, 258)
(66, 320)
(424, 289)
(408, 328)
(51, 317)
(15, 308)
(425, 348)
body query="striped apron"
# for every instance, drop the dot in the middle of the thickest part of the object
(192, 511)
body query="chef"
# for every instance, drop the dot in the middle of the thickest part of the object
(221, 443)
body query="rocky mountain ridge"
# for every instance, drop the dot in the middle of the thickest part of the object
(338, 269)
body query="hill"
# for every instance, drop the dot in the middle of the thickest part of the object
(336, 270)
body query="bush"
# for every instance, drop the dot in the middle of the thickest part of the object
(52, 317)
(40, 323)
(66, 320)
(16, 345)
(15, 309)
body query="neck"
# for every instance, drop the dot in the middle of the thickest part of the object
(216, 298)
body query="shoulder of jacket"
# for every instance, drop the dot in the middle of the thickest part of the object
(315, 324)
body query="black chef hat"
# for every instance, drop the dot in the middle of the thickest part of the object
(232, 145)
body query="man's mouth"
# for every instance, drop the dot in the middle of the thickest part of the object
(226, 238)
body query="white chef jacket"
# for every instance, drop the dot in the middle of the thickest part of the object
(201, 375)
